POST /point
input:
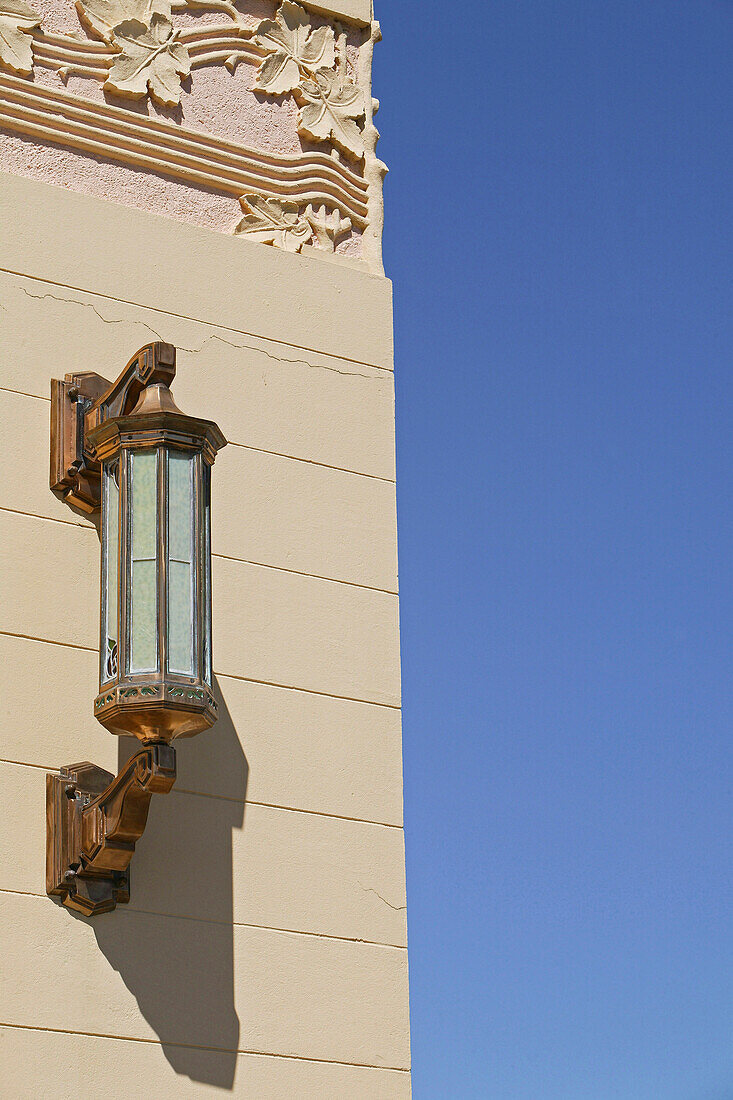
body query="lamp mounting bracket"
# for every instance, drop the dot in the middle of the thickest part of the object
(94, 821)
(83, 400)
(127, 446)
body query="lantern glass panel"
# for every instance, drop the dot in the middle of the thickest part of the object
(110, 564)
(144, 543)
(181, 559)
(207, 573)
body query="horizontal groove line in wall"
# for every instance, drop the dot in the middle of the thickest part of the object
(132, 908)
(217, 672)
(299, 458)
(292, 809)
(213, 1050)
(310, 576)
(52, 519)
(294, 165)
(202, 321)
(245, 446)
(24, 393)
(205, 51)
(73, 48)
(308, 691)
(49, 641)
(236, 801)
(191, 168)
(282, 160)
(224, 557)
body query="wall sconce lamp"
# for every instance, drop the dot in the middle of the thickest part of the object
(124, 449)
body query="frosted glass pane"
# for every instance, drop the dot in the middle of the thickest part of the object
(180, 618)
(180, 563)
(144, 500)
(144, 617)
(144, 603)
(207, 574)
(109, 640)
(180, 507)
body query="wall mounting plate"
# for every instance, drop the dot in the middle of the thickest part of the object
(93, 822)
(67, 794)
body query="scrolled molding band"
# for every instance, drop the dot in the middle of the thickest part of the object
(195, 158)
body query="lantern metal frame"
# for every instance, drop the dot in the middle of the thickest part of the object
(94, 819)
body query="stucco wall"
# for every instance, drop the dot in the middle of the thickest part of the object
(264, 947)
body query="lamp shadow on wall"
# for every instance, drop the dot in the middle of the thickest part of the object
(174, 944)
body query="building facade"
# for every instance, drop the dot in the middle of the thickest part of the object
(205, 173)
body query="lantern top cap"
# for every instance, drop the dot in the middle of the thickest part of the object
(155, 420)
(155, 399)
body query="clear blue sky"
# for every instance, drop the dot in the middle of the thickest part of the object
(559, 235)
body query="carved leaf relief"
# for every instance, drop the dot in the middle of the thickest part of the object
(331, 105)
(303, 61)
(16, 19)
(327, 228)
(152, 58)
(270, 221)
(295, 49)
(102, 16)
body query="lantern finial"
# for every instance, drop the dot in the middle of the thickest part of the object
(155, 398)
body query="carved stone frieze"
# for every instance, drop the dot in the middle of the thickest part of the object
(155, 86)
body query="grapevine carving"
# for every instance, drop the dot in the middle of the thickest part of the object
(150, 56)
(303, 61)
(282, 224)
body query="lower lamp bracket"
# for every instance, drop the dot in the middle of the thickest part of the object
(94, 820)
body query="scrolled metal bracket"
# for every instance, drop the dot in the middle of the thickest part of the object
(94, 822)
(82, 401)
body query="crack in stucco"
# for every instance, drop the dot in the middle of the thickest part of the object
(371, 890)
(195, 351)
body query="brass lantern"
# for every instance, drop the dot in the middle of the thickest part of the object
(126, 450)
(155, 644)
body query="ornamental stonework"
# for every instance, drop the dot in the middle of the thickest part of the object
(246, 116)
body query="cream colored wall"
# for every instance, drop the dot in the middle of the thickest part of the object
(264, 947)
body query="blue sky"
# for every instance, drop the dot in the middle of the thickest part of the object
(559, 235)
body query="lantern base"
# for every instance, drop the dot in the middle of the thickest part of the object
(93, 821)
(156, 710)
